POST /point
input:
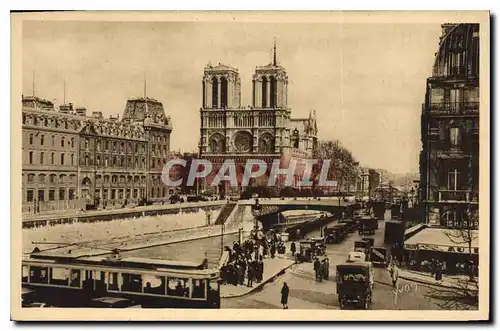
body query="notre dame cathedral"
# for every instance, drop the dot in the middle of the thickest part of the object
(264, 130)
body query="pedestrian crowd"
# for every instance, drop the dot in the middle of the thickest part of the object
(321, 268)
(245, 264)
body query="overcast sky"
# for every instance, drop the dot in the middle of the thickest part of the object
(365, 81)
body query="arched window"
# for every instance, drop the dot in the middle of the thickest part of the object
(42, 140)
(41, 178)
(31, 157)
(264, 92)
(273, 93)
(72, 142)
(62, 158)
(52, 158)
(41, 157)
(215, 91)
(31, 178)
(62, 141)
(31, 138)
(53, 140)
(223, 92)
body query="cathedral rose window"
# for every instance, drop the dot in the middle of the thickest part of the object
(243, 142)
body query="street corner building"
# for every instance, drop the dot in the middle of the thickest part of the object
(72, 160)
(449, 160)
(264, 130)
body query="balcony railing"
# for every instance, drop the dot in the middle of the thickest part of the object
(454, 108)
(453, 153)
(455, 196)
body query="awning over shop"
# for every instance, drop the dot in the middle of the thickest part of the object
(443, 240)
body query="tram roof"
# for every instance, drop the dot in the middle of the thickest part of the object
(142, 260)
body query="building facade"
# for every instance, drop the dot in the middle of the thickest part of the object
(449, 161)
(71, 159)
(264, 130)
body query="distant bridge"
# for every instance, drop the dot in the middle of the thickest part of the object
(274, 206)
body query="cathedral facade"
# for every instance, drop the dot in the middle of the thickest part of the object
(264, 131)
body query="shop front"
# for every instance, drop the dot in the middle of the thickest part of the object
(450, 246)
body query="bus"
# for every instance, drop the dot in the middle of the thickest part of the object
(151, 283)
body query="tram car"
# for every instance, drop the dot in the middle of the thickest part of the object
(63, 281)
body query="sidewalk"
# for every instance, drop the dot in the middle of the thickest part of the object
(272, 268)
(426, 278)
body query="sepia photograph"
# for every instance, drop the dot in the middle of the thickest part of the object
(250, 166)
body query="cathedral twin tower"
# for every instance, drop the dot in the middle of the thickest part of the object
(263, 131)
(222, 87)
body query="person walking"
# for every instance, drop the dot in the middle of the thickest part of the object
(394, 272)
(284, 295)
(293, 248)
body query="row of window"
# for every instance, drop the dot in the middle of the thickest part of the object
(52, 178)
(120, 194)
(63, 142)
(30, 195)
(52, 159)
(115, 147)
(122, 179)
(124, 148)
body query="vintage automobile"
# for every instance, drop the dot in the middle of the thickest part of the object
(368, 225)
(370, 241)
(355, 284)
(319, 244)
(356, 256)
(310, 248)
(349, 224)
(334, 234)
(379, 256)
(362, 246)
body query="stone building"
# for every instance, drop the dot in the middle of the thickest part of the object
(49, 156)
(263, 130)
(449, 161)
(71, 159)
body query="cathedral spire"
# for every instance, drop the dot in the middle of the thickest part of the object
(274, 57)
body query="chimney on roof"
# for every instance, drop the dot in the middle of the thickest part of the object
(97, 114)
(66, 109)
(80, 111)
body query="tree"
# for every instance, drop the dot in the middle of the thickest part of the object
(466, 235)
(463, 296)
(343, 166)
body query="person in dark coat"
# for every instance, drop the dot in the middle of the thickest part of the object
(250, 275)
(326, 268)
(260, 268)
(293, 248)
(273, 251)
(316, 266)
(439, 271)
(284, 295)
